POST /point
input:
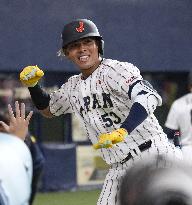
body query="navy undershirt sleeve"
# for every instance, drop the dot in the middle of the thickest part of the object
(39, 97)
(136, 116)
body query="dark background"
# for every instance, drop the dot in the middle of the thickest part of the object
(154, 35)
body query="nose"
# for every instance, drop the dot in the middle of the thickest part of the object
(82, 47)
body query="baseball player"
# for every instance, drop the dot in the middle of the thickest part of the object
(15, 160)
(180, 118)
(110, 98)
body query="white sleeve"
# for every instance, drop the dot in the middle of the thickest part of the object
(121, 76)
(172, 121)
(60, 100)
(126, 80)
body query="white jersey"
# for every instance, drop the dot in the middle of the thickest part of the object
(180, 118)
(102, 102)
(15, 171)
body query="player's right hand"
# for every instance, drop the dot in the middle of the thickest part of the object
(30, 75)
(107, 140)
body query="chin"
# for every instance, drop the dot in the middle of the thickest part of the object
(85, 66)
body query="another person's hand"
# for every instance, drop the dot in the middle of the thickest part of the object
(108, 139)
(19, 123)
(30, 75)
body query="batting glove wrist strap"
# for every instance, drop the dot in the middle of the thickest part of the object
(30, 76)
(108, 139)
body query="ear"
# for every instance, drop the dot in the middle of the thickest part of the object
(97, 45)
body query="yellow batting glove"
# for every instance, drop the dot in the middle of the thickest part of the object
(30, 75)
(104, 142)
(108, 139)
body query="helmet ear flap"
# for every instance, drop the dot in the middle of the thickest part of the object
(101, 46)
(101, 49)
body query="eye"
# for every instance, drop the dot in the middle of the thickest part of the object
(72, 46)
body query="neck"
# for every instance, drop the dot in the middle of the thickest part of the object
(86, 73)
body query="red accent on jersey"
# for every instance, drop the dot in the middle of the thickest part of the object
(81, 28)
(130, 79)
(177, 133)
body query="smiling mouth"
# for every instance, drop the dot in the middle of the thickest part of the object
(83, 58)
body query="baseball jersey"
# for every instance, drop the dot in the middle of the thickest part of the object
(15, 171)
(180, 118)
(102, 102)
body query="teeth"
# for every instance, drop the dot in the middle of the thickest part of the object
(84, 58)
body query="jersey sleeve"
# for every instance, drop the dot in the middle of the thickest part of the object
(172, 121)
(60, 100)
(127, 81)
(121, 76)
(144, 93)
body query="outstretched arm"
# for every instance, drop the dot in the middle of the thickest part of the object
(41, 100)
(19, 122)
(29, 77)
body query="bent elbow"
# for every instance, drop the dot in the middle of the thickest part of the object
(46, 113)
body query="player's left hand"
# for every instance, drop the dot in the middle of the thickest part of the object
(108, 139)
(30, 75)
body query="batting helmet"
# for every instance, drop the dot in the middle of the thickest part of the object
(81, 28)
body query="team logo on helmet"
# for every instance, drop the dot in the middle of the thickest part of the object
(81, 28)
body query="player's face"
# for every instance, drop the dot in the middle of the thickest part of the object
(84, 53)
